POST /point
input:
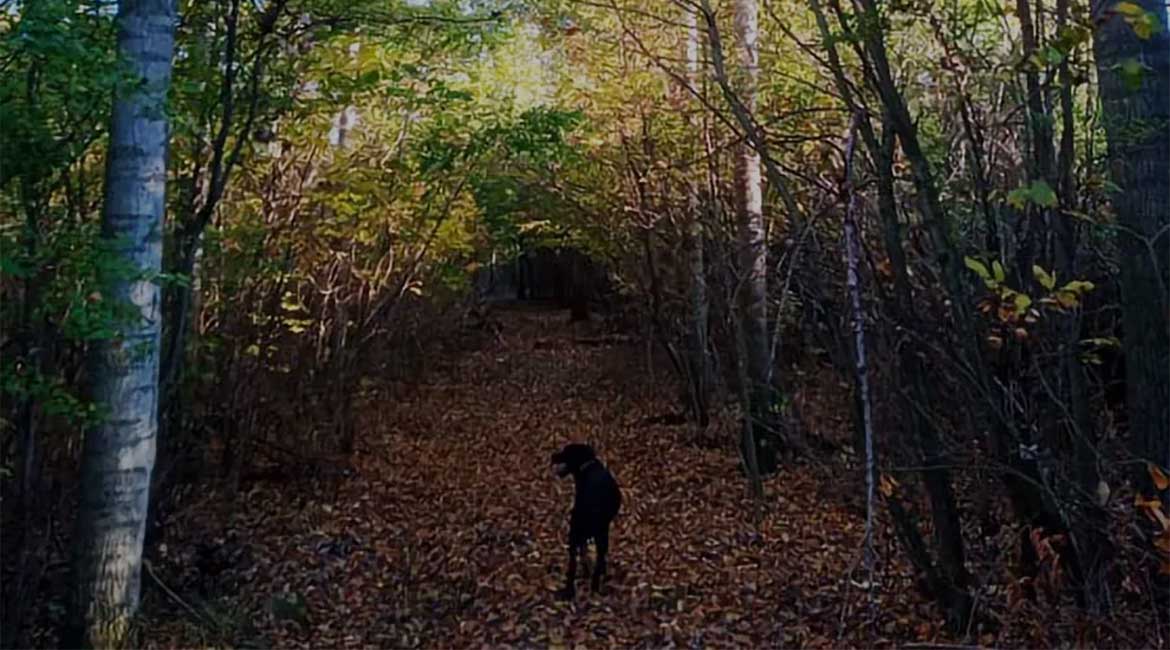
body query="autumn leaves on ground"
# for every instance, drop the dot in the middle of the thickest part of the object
(449, 533)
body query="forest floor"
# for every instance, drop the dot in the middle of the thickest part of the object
(450, 533)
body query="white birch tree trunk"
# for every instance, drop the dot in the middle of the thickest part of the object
(699, 369)
(852, 245)
(753, 293)
(119, 453)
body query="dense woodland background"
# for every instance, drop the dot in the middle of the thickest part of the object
(870, 297)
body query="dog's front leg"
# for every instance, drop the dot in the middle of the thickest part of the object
(569, 590)
(576, 543)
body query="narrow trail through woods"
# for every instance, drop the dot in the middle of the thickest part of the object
(451, 532)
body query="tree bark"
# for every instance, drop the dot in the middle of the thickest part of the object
(119, 454)
(852, 245)
(1090, 528)
(698, 368)
(948, 582)
(930, 207)
(1031, 248)
(1137, 126)
(753, 263)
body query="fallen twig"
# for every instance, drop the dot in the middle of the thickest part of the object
(174, 596)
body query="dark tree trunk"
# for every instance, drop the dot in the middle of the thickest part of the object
(947, 581)
(1091, 526)
(1137, 125)
(1136, 114)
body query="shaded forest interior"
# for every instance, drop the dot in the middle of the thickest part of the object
(865, 305)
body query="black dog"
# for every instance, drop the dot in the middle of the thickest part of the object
(595, 504)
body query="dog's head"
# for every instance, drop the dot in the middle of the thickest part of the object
(572, 458)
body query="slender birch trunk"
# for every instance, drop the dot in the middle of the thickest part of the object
(753, 262)
(119, 454)
(852, 245)
(699, 370)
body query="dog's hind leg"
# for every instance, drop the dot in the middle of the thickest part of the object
(585, 566)
(602, 541)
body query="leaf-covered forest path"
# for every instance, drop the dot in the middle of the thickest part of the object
(450, 532)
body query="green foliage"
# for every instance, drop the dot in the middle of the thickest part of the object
(1038, 192)
(509, 192)
(1047, 281)
(56, 398)
(55, 91)
(1013, 312)
(1132, 71)
(1144, 23)
(62, 277)
(1093, 347)
(59, 76)
(991, 278)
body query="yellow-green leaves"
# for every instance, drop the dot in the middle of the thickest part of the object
(1132, 72)
(1037, 193)
(1047, 281)
(979, 268)
(1144, 23)
(1067, 296)
(1022, 302)
(1093, 347)
(993, 277)
(1013, 312)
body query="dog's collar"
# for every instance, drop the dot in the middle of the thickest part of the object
(591, 461)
